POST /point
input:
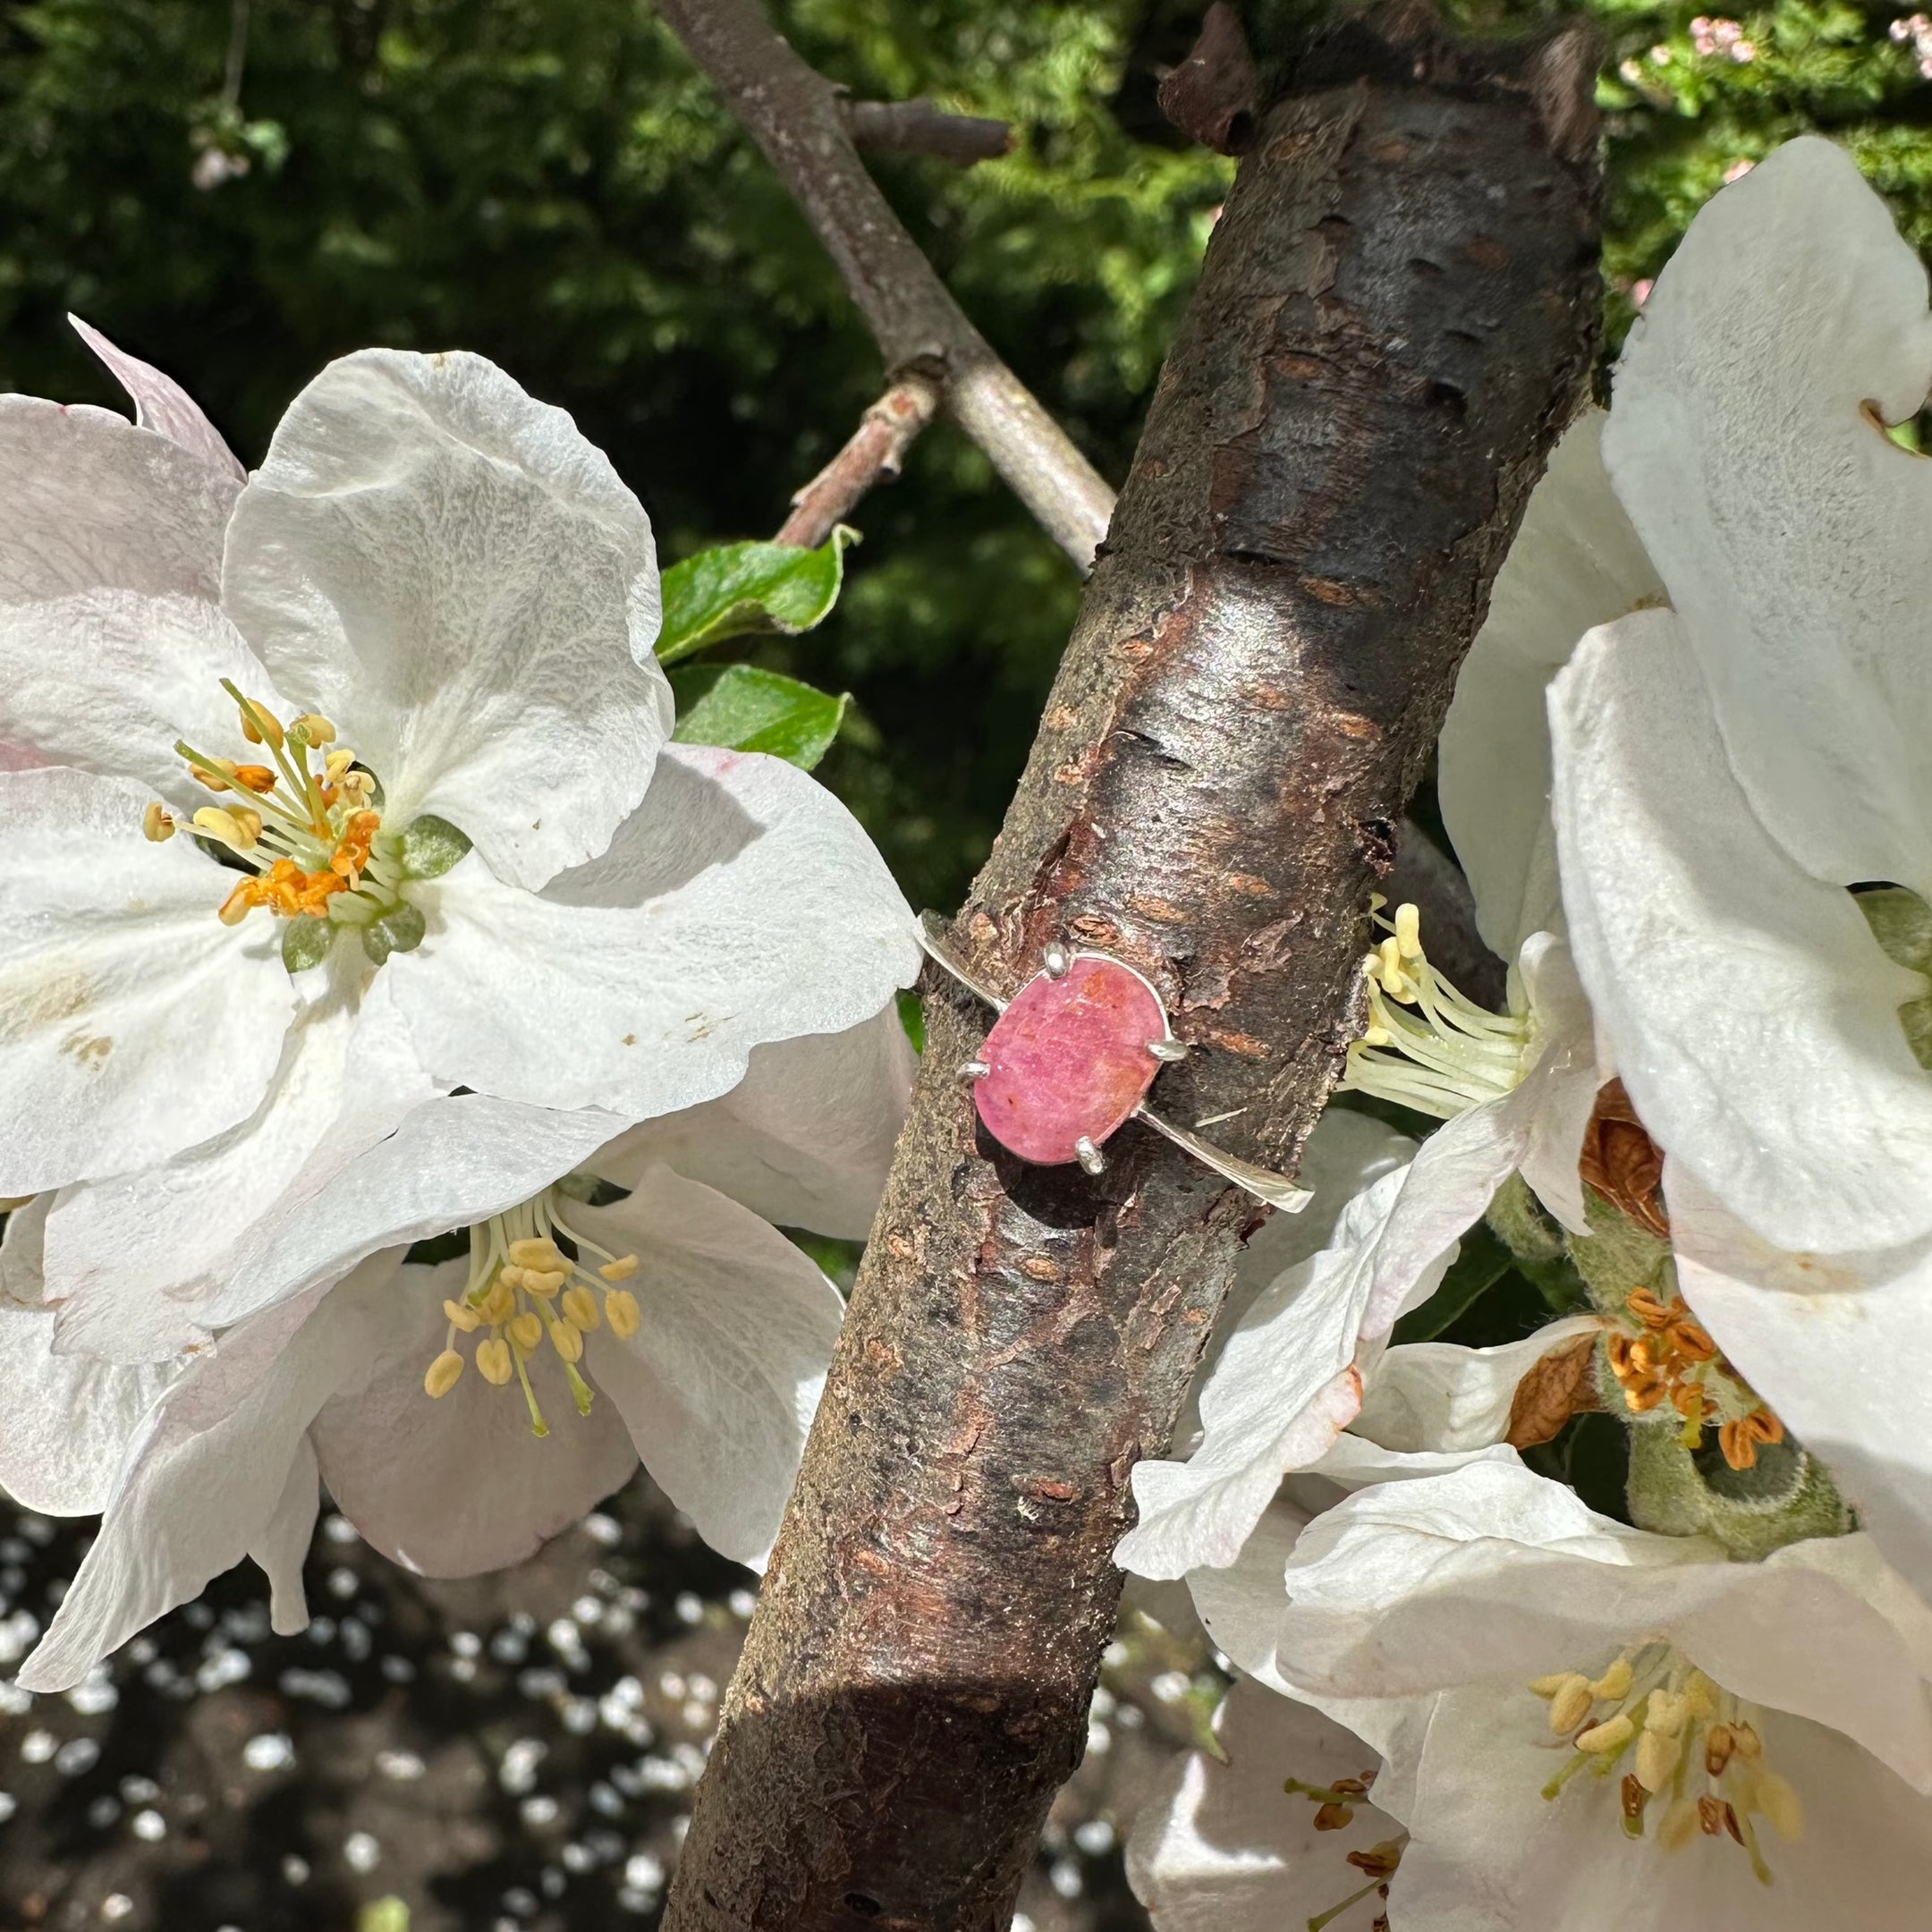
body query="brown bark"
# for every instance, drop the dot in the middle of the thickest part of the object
(1395, 320)
(924, 127)
(871, 456)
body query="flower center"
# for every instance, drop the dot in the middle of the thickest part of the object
(524, 1289)
(1687, 1743)
(1428, 1047)
(311, 838)
(1660, 1352)
(1335, 1809)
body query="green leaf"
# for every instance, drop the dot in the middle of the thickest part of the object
(307, 941)
(747, 586)
(400, 929)
(1482, 1263)
(913, 1018)
(744, 709)
(428, 846)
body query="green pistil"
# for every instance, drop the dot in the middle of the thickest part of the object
(539, 1427)
(580, 1389)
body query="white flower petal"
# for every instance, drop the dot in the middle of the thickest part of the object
(89, 502)
(1435, 1395)
(446, 570)
(453, 1161)
(162, 404)
(1840, 1347)
(1576, 564)
(1787, 527)
(459, 1486)
(1565, 1079)
(1219, 1846)
(804, 1140)
(720, 1382)
(1490, 1855)
(281, 1546)
(132, 1022)
(67, 1420)
(741, 903)
(1492, 1573)
(1753, 1017)
(111, 680)
(209, 1478)
(144, 1263)
(1284, 1384)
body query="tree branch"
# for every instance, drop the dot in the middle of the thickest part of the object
(922, 126)
(872, 456)
(1393, 322)
(794, 115)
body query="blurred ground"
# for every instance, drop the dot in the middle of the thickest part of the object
(512, 1754)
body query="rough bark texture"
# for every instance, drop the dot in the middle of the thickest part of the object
(1393, 323)
(799, 118)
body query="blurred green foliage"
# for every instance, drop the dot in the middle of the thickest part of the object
(239, 196)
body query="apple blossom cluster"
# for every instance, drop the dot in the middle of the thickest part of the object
(356, 898)
(1686, 772)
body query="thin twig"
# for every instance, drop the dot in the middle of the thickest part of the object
(922, 126)
(876, 449)
(794, 115)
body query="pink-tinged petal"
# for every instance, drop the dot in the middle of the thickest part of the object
(458, 1485)
(162, 404)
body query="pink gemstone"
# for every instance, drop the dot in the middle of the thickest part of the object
(1069, 1059)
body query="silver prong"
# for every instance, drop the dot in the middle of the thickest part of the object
(1276, 1189)
(972, 1071)
(1054, 957)
(1090, 1157)
(1169, 1050)
(931, 934)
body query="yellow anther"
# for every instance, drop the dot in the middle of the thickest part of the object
(498, 1305)
(465, 1318)
(316, 728)
(526, 1331)
(493, 1362)
(1680, 1825)
(621, 1269)
(537, 1252)
(580, 1307)
(621, 1312)
(1750, 1745)
(1719, 1743)
(543, 1281)
(1700, 1696)
(443, 1374)
(217, 779)
(1611, 1736)
(235, 906)
(1614, 1682)
(510, 1276)
(157, 823)
(249, 822)
(255, 777)
(1657, 1753)
(269, 728)
(1409, 932)
(567, 1341)
(226, 826)
(1774, 1797)
(1665, 1713)
(1388, 956)
(1570, 1704)
(1377, 1036)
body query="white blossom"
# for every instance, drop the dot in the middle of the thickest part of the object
(433, 608)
